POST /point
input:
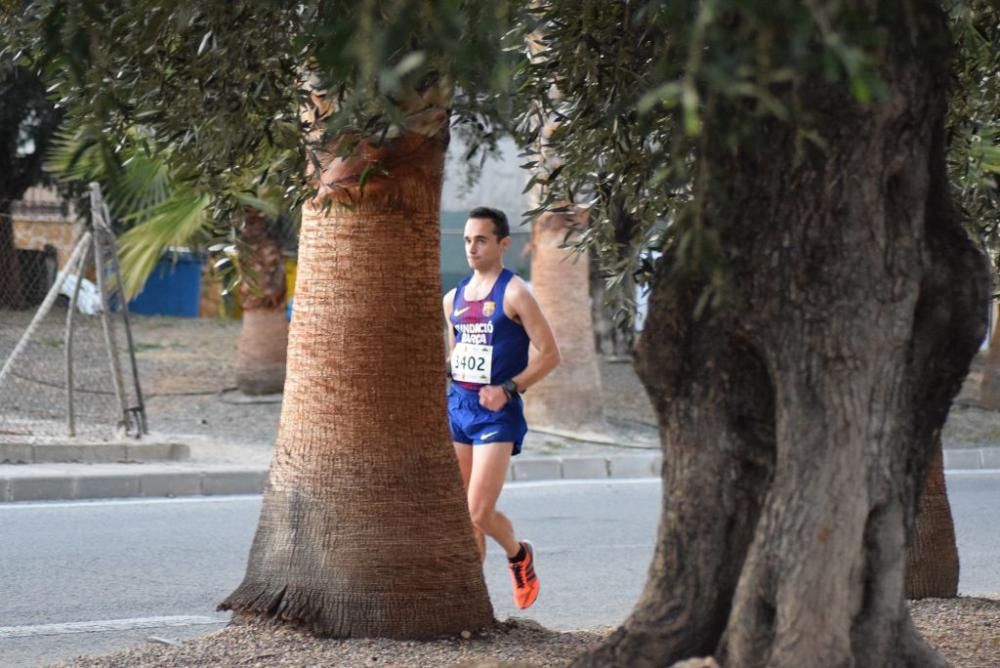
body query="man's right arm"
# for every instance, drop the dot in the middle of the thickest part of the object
(448, 303)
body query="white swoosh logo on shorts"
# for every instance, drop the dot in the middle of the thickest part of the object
(489, 435)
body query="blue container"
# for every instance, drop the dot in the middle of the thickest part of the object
(174, 287)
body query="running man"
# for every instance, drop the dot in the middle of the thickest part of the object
(494, 319)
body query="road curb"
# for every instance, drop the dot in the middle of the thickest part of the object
(56, 482)
(77, 482)
(959, 459)
(67, 482)
(12, 452)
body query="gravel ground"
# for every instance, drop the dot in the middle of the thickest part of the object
(187, 374)
(965, 630)
(520, 642)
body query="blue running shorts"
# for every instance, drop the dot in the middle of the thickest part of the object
(474, 424)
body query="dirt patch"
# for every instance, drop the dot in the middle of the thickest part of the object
(187, 374)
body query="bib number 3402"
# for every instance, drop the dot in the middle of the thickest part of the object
(471, 363)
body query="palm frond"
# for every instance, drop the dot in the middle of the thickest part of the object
(81, 154)
(143, 184)
(176, 221)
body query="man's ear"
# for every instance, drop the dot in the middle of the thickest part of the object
(506, 242)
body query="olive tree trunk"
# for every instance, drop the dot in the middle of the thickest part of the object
(364, 529)
(263, 340)
(798, 423)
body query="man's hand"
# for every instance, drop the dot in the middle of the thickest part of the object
(492, 397)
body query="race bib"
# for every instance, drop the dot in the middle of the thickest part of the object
(472, 363)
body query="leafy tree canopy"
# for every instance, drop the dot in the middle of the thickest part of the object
(634, 82)
(222, 86)
(628, 83)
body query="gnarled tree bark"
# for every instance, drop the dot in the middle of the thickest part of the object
(797, 423)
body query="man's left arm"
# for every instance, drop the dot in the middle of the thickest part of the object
(525, 308)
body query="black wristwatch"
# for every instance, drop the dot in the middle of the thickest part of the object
(510, 387)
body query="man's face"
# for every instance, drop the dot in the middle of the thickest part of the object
(482, 248)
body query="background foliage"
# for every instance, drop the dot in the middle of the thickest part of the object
(635, 81)
(216, 91)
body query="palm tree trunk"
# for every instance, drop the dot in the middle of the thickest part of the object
(260, 351)
(932, 558)
(263, 341)
(570, 397)
(364, 529)
(989, 390)
(612, 339)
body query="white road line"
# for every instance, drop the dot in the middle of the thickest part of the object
(105, 625)
(83, 503)
(514, 484)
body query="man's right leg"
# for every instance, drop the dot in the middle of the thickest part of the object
(464, 453)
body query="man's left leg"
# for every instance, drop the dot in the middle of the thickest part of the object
(489, 469)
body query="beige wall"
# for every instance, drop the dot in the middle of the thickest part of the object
(41, 218)
(35, 234)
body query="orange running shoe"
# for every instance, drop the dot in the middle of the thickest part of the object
(525, 581)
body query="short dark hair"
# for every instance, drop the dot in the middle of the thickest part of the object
(500, 225)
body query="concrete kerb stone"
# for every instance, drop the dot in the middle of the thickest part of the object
(91, 453)
(537, 469)
(991, 458)
(584, 467)
(963, 459)
(103, 481)
(38, 488)
(108, 486)
(105, 453)
(16, 453)
(633, 466)
(233, 482)
(168, 483)
(156, 452)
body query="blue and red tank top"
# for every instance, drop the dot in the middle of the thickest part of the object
(484, 322)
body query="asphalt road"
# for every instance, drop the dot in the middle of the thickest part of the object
(92, 577)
